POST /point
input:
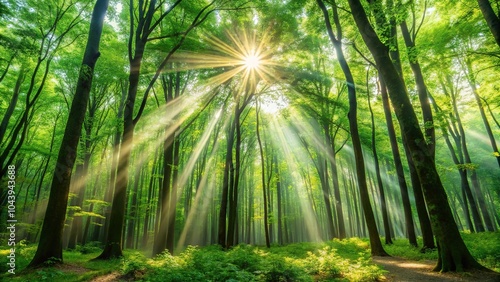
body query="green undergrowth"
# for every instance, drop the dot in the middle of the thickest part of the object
(77, 265)
(485, 247)
(337, 260)
(346, 260)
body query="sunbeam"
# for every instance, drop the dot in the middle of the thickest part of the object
(287, 141)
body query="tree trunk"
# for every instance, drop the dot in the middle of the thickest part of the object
(375, 244)
(491, 18)
(132, 210)
(50, 244)
(173, 197)
(12, 104)
(473, 83)
(228, 170)
(278, 199)
(160, 240)
(453, 254)
(421, 88)
(385, 217)
(234, 181)
(261, 151)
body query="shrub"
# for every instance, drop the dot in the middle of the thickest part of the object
(89, 248)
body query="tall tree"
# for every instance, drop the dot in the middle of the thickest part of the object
(453, 254)
(50, 244)
(375, 244)
(388, 26)
(383, 202)
(149, 18)
(262, 165)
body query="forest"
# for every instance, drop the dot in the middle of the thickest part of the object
(237, 140)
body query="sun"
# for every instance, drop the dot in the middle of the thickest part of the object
(243, 54)
(251, 61)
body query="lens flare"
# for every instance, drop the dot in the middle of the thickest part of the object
(240, 54)
(251, 61)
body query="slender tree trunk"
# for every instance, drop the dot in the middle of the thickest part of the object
(12, 104)
(278, 199)
(108, 196)
(160, 241)
(325, 187)
(228, 169)
(421, 88)
(336, 189)
(376, 245)
(385, 217)
(261, 151)
(50, 244)
(132, 210)
(234, 182)
(173, 197)
(398, 163)
(395, 56)
(473, 83)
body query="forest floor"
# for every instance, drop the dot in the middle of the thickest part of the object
(400, 269)
(335, 260)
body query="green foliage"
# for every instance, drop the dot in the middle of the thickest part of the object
(347, 259)
(400, 248)
(484, 246)
(325, 264)
(89, 248)
(337, 260)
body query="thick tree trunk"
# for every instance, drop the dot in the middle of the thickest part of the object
(453, 254)
(50, 244)
(491, 18)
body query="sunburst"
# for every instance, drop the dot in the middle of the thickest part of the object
(240, 54)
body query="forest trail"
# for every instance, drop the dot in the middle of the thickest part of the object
(407, 270)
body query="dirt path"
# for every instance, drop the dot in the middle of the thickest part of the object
(407, 270)
(111, 277)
